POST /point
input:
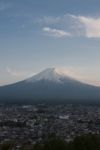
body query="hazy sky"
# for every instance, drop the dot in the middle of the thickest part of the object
(37, 34)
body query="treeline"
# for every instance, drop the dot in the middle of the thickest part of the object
(85, 142)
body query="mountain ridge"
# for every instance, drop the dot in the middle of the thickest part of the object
(49, 85)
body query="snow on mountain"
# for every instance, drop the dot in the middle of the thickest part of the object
(50, 85)
(50, 74)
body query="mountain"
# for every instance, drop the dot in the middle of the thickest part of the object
(50, 85)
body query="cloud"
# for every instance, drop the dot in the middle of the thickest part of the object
(56, 32)
(19, 74)
(52, 20)
(15, 73)
(80, 73)
(91, 26)
(71, 25)
(48, 20)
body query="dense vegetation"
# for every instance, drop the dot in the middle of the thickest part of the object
(86, 142)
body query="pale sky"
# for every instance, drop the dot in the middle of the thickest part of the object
(37, 34)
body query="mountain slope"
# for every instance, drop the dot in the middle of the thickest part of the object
(49, 85)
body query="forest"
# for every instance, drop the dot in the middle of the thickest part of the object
(85, 142)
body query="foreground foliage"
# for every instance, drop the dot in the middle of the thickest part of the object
(85, 142)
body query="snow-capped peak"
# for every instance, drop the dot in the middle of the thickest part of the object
(50, 74)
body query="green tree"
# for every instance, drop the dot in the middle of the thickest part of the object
(7, 146)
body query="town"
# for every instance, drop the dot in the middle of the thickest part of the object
(28, 124)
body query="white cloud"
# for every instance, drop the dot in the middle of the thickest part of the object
(56, 32)
(51, 20)
(91, 26)
(15, 72)
(71, 25)
(86, 26)
(48, 20)
(19, 73)
(80, 73)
